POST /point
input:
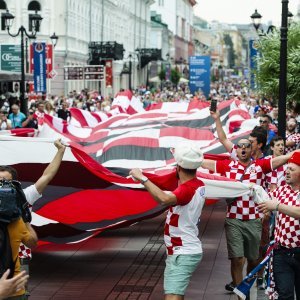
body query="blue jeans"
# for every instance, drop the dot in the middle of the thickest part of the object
(286, 266)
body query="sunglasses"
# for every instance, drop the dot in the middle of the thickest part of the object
(246, 145)
(263, 121)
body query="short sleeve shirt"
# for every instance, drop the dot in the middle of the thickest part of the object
(181, 230)
(243, 207)
(31, 195)
(287, 231)
(18, 233)
(276, 177)
(295, 137)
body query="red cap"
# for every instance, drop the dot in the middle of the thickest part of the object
(295, 158)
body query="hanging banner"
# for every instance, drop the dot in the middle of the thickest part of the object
(200, 75)
(49, 60)
(39, 72)
(252, 61)
(109, 73)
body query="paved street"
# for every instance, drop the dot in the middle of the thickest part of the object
(128, 264)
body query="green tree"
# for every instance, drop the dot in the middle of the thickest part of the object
(232, 55)
(175, 77)
(268, 65)
(162, 76)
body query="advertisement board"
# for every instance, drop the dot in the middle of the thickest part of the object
(39, 71)
(199, 74)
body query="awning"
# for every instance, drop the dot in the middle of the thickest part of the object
(12, 76)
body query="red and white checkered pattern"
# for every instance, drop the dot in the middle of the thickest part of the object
(295, 137)
(287, 231)
(24, 252)
(275, 177)
(181, 230)
(244, 208)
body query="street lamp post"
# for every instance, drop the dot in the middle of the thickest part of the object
(130, 71)
(285, 16)
(283, 70)
(35, 23)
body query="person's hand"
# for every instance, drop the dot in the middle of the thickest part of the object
(215, 114)
(267, 206)
(10, 286)
(136, 174)
(59, 145)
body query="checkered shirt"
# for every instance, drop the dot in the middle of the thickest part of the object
(287, 231)
(24, 252)
(244, 208)
(181, 227)
(295, 137)
(277, 177)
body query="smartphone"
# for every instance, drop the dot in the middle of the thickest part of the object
(213, 105)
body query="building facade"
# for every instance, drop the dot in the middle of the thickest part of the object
(79, 22)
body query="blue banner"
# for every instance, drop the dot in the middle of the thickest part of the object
(200, 74)
(253, 52)
(39, 70)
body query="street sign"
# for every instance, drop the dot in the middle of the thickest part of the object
(94, 73)
(11, 58)
(93, 76)
(73, 73)
(89, 73)
(52, 74)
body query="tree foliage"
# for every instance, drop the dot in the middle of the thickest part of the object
(162, 74)
(268, 64)
(175, 76)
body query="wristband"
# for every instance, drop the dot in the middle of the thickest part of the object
(277, 206)
(144, 179)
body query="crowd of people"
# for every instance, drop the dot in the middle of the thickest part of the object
(263, 159)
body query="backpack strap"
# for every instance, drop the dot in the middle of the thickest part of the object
(22, 202)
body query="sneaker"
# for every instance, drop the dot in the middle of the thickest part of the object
(260, 283)
(230, 287)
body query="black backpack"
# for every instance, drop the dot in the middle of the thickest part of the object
(6, 259)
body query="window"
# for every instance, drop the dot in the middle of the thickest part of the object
(161, 3)
(36, 7)
(2, 7)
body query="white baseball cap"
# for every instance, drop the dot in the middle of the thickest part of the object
(188, 156)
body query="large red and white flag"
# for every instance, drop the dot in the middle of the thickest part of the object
(91, 191)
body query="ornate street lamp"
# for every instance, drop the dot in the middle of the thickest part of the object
(35, 25)
(256, 19)
(54, 39)
(285, 21)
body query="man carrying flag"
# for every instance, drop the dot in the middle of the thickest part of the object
(184, 249)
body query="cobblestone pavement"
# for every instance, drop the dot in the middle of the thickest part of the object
(128, 263)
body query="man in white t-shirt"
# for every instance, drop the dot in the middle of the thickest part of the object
(184, 248)
(34, 191)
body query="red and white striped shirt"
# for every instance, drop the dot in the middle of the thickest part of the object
(181, 230)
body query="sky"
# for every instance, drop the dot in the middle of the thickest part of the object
(239, 11)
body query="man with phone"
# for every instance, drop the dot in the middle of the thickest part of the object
(31, 121)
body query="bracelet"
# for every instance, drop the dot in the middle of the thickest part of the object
(277, 206)
(144, 179)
